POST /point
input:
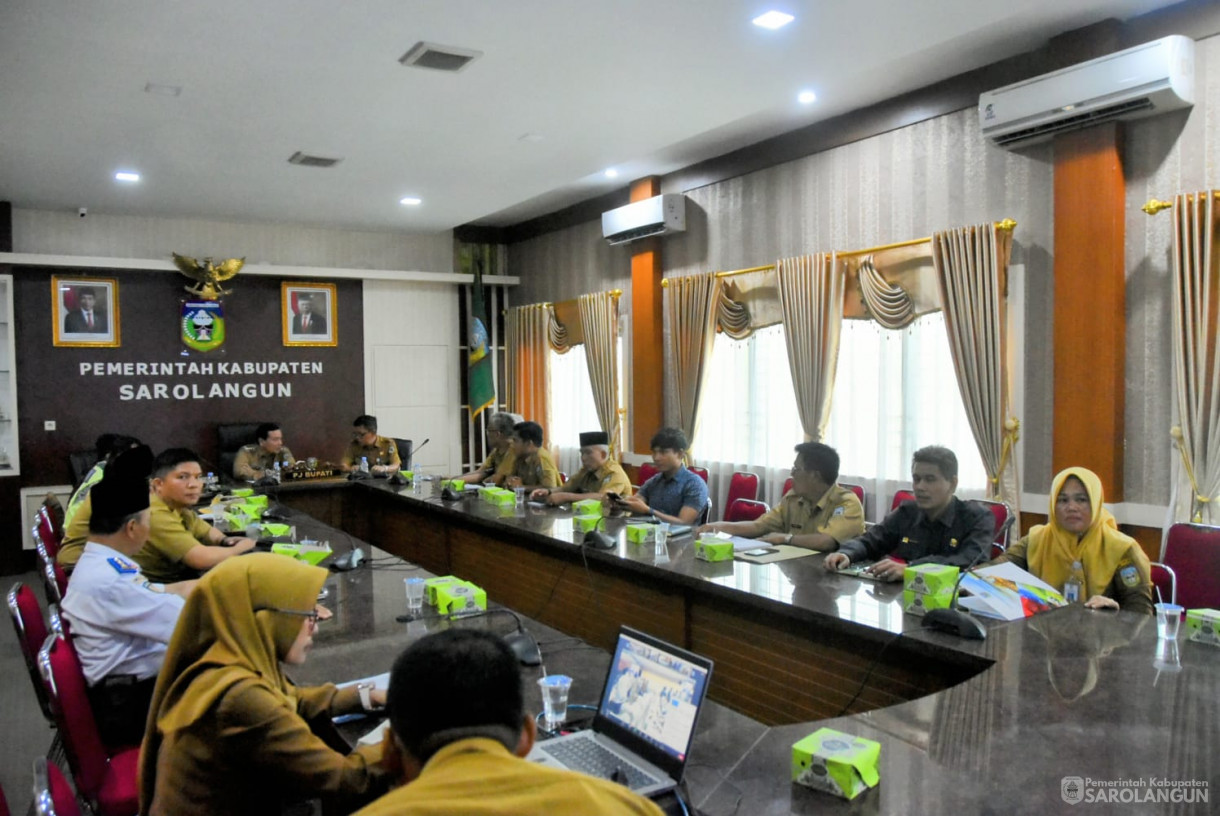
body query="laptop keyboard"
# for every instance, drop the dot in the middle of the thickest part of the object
(587, 756)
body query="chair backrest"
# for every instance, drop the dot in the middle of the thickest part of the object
(31, 631)
(229, 440)
(65, 684)
(54, 579)
(405, 451)
(701, 472)
(81, 462)
(787, 487)
(54, 510)
(1192, 551)
(745, 510)
(1166, 582)
(743, 485)
(53, 795)
(647, 471)
(1003, 520)
(44, 531)
(857, 489)
(900, 497)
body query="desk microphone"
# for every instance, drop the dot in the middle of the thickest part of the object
(416, 451)
(953, 620)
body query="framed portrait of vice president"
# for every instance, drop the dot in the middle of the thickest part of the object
(84, 312)
(309, 313)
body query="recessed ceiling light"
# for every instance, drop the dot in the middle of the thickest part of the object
(807, 97)
(124, 175)
(411, 201)
(611, 173)
(773, 20)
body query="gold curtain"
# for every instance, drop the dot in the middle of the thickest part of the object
(1196, 322)
(528, 364)
(691, 305)
(811, 299)
(971, 266)
(599, 322)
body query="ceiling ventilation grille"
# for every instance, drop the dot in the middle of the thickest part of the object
(439, 57)
(306, 160)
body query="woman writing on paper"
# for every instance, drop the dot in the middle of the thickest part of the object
(1081, 552)
(227, 732)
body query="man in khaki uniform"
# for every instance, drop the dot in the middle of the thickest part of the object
(598, 475)
(499, 461)
(180, 544)
(817, 513)
(253, 461)
(381, 451)
(532, 464)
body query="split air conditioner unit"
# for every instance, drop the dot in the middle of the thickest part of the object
(659, 215)
(1149, 79)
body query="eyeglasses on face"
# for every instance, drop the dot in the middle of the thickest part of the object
(313, 614)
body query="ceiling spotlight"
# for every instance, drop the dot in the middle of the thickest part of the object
(123, 175)
(611, 173)
(410, 201)
(773, 20)
(807, 97)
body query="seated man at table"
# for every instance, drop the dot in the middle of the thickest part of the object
(499, 461)
(380, 451)
(459, 733)
(675, 494)
(254, 461)
(936, 528)
(120, 622)
(181, 545)
(598, 474)
(532, 463)
(816, 513)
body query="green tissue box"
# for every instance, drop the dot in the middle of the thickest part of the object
(640, 533)
(1203, 625)
(917, 603)
(930, 579)
(460, 598)
(433, 585)
(311, 552)
(586, 523)
(242, 492)
(457, 484)
(275, 529)
(587, 507)
(837, 763)
(499, 496)
(254, 511)
(257, 501)
(713, 549)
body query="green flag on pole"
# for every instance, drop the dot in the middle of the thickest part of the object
(482, 384)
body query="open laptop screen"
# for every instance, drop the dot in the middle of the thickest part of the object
(653, 692)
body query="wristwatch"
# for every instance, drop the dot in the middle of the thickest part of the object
(366, 695)
(788, 540)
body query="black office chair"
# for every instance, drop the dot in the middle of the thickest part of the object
(229, 440)
(404, 452)
(81, 463)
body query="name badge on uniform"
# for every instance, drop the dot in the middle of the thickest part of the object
(838, 512)
(123, 567)
(1129, 575)
(953, 543)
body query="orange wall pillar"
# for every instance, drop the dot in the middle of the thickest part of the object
(1090, 304)
(647, 328)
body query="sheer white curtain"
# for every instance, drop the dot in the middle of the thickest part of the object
(895, 393)
(573, 409)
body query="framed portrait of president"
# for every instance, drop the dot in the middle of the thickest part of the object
(85, 312)
(309, 311)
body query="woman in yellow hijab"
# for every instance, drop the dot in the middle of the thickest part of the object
(227, 732)
(1082, 550)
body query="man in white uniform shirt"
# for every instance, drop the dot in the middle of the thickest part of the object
(120, 623)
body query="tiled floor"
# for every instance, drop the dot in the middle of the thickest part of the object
(23, 731)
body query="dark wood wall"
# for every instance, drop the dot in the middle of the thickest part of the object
(316, 416)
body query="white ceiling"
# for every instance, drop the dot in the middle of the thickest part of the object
(645, 86)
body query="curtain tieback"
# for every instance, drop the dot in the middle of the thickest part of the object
(1180, 442)
(1012, 433)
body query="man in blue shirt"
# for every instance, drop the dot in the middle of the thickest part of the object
(675, 494)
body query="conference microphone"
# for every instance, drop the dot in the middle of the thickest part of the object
(953, 620)
(417, 450)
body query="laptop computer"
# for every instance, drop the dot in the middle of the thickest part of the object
(646, 719)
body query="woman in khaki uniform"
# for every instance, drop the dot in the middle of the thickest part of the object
(227, 732)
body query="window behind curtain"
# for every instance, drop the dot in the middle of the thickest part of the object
(572, 408)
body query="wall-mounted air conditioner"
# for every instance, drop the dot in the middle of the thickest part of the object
(1149, 79)
(659, 215)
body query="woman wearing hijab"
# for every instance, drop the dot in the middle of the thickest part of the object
(227, 732)
(1082, 553)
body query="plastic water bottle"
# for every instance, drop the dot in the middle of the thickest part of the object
(364, 464)
(209, 484)
(277, 471)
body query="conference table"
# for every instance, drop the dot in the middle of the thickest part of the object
(1069, 704)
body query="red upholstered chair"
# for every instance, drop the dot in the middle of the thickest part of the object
(54, 579)
(647, 471)
(1165, 581)
(743, 485)
(787, 487)
(1192, 551)
(1003, 520)
(105, 779)
(900, 497)
(857, 489)
(53, 795)
(44, 535)
(701, 472)
(745, 510)
(54, 512)
(563, 477)
(31, 633)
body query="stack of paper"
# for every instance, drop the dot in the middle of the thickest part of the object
(1007, 592)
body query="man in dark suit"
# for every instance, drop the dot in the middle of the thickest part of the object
(306, 321)
(85, 319)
